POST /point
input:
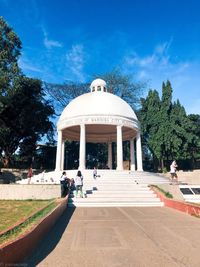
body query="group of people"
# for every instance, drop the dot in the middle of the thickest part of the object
(74, 184)
(77, 183)
(68, 184)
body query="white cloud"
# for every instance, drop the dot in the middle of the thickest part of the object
(50, 43)
(157, 63)
(156, 59)
(160, 58)
(146, 61)
(160, 66)
(142, 74)
(25, 65)
(75, 61)
(163, 48)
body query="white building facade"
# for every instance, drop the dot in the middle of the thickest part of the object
(99, 117)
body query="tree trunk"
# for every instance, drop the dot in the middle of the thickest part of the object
(6, 161)
(162, 164)
(155, 163)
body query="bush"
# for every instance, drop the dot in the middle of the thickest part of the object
(167, 194)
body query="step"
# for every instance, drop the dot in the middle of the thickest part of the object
(129, 179)
(114, 188)
(117, 194)
(118, 189)
(107, 200)
(124, 194)
(117, 204)
(105, 196)
(110, 195)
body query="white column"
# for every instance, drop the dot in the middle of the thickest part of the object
(82, 148)
(139, 152)
(63, 155)
(119, 148)
(59, 151)
(110, 155)
(132, 154)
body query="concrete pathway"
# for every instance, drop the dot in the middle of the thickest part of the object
(128, 237)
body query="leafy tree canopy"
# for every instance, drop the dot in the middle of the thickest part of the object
(167, 130)
(117, 83)
(194, 145)
(125, 87)
(10, 46)
(24, 112)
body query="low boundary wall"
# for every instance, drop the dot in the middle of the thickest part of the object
(29, 191)
(16, 251)
(188, 208)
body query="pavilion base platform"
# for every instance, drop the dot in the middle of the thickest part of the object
(111, 188)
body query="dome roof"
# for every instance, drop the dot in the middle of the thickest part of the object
(98, 82)
(98, 85)
(97, 103)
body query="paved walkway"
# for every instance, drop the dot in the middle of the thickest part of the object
(128, 237)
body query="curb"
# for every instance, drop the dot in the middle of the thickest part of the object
(17, 250)
(190, 209)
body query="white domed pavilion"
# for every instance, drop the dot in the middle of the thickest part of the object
(99, 117)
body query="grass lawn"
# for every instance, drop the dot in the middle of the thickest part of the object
(12, 211)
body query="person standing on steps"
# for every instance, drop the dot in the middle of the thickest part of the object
(65, 184)
(79, 183)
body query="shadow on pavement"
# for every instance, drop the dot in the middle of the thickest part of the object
(51, 240)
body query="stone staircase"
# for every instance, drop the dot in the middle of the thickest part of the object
(118, 188)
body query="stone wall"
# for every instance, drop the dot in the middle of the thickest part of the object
(17, 191)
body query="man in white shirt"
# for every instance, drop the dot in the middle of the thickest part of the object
(173, 169)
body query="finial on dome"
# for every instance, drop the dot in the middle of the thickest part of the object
(98, 85)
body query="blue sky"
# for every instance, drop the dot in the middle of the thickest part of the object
(76, 39)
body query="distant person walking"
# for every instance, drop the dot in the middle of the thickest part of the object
(173, 170)
(79, 183)
(30, 174)
(95, 173)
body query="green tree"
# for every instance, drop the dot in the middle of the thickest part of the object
(180, 132)
(125, 87)
(62, 94)
(45, 157)
(164, 131)
(149, 117)
(25, 118)
(117, 83)
(194, 145)
(10, 46)
(24, 112)
(166, 127)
